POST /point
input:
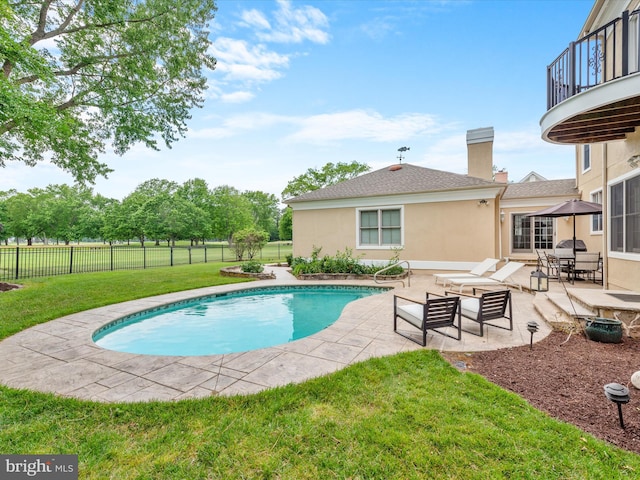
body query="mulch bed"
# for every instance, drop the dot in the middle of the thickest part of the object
(5, 287)
(565, 376)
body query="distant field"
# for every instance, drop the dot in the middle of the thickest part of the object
(38, 261)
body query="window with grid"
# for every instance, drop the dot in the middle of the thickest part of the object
(625, 215)
(531, 233)
(380, 227)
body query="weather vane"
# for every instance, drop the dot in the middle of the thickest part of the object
(402, 149)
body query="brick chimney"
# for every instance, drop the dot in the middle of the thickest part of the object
(502, 176)
(480, 153)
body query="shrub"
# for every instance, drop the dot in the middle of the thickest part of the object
(252, 266)
(343, 262)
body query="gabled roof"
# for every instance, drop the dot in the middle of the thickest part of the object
(395, 180)
(542, 188)
(532, 177)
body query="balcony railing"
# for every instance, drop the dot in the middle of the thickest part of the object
(610, 52)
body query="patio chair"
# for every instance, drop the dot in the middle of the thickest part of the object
(491, 305)
(477, 271)
(588, 264)
(432, 314)
(550, 264)
(499, 278)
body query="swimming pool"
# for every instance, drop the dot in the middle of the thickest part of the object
(231, 322)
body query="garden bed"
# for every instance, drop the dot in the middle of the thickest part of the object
(5, 287)
(238, 273)
(349, 276)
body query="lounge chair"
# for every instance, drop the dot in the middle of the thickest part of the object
(491, 305)
(432, 314)
(477, 271)
(498, 278)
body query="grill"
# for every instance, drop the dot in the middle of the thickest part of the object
(580, 246)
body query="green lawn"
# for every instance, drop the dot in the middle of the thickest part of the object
(407, 416)
(43, 261)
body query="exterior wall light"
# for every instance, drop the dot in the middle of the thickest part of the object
(502, 215)
(483, 202)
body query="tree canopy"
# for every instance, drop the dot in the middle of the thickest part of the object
(329, 174)
(80, 74)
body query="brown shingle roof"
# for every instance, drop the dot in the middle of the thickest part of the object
(394, 181)
(543, 188)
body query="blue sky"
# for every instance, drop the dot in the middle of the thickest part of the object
(305, 82)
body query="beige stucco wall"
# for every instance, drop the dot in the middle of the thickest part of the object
(456, 231)
(563, 230)
(608, 163)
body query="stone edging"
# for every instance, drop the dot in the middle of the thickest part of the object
(238, 273)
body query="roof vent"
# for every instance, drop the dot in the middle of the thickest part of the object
(394, 168)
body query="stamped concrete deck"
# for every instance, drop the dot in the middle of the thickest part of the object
(60, 357)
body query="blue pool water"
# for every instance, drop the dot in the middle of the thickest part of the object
(231, 322)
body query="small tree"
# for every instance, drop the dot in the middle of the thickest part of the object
(249, 241)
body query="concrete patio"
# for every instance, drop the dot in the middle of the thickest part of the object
(60, 357)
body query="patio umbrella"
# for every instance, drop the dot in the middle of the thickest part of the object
(570, 208)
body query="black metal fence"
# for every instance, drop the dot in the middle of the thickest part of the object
(612, 51)
(28, 262)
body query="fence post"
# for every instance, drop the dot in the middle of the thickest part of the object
(205, 254)
(111, 257)
(171, 256)
(144, 257)
(189, 255)
(17, 262)
(70, 259)
(222, 253)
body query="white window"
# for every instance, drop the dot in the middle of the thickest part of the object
(625, 215)
(586, 158)
(596, 220)
(380, 227)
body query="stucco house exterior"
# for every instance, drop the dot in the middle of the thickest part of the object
(440, 220)
(593, 102)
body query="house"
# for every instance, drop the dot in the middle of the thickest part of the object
(440, 220)
(593, 102)
(522, 235)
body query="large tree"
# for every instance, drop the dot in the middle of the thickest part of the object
(78, 74)
(329, 174)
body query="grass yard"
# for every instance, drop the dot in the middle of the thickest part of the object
(45, 261)
(407, 416)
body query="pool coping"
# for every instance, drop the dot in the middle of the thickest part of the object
(60, 357)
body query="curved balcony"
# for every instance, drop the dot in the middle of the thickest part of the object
(593, 87)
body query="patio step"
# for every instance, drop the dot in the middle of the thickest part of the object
(558, 310)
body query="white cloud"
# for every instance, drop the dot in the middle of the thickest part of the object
(361, 124)
(255, 19)
(237, 60)
(237, 97)
(297, 24)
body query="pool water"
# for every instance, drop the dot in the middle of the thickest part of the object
(231, 322)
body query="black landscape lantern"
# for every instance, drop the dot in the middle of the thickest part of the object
(539, 282)
(532, 326)
(618, 394)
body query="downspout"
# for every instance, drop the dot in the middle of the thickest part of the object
(605, 219)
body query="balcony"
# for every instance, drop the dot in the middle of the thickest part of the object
(593, 87)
